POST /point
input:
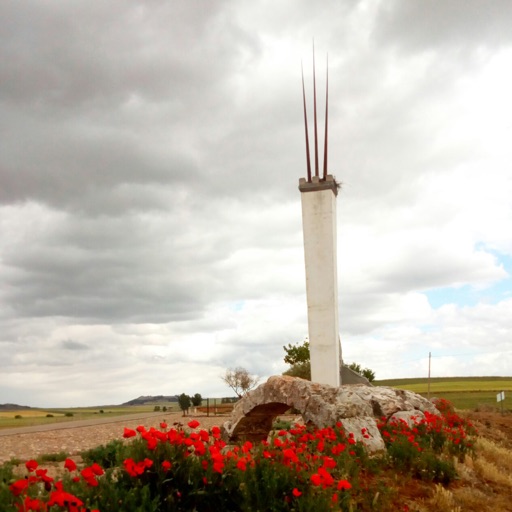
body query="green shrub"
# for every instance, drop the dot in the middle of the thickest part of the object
(6, 477)
(107, 456)
(280, 424)
(52, 457)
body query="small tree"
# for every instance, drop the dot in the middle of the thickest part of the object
(297, 354)
(302, 370)
(184, 403)
(197, 400)
(240, 380)
(365, 372)
(298, 357)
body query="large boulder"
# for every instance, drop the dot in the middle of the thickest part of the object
(356, 406)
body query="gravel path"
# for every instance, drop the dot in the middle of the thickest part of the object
(76, 436)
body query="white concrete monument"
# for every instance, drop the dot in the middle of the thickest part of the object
(318, 197)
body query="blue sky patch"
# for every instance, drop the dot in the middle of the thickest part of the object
(468, 295)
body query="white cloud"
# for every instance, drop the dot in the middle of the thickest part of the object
(150, 226)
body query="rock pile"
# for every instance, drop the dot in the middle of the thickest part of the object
(356, 406)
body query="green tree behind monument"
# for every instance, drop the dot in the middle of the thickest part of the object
(298, 357)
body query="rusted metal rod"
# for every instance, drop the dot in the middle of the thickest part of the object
(326, 117)
(314, 99)
(306, 127)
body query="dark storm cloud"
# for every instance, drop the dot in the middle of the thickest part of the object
(101, 99)
(112, 268)
(76, 57)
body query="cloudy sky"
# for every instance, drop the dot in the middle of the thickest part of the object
(150, 220)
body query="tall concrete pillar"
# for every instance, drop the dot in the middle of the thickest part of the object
(318, 199)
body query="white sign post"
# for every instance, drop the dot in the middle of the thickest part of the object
(500, 397)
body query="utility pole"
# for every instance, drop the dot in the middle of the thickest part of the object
(429, 360)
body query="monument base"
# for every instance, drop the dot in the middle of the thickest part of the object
(356, 406)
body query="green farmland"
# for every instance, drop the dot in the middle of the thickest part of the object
(30, 417)
(463, 392)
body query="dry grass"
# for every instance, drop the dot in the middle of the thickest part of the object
(485, 482)
(443, 500)
(495, 453)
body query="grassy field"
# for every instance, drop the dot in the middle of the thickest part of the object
(30, 417)
(463, 392)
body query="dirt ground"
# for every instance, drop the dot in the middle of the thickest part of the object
(74, 437)
(493, 425)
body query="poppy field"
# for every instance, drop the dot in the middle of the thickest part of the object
(188, 468)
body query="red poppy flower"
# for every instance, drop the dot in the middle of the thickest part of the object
(19, 487)
(218, 467)
(64, 499)
(41, 473)
(166, 465)
(33, 504)
(344, 485)
(193, 424)
(151, 443)
(128, 432)
(316, 479)
(97, 469)
(31, 465)
(89, 474)
(329, 462)
(290, 455)
(296, 492)
(70, 465)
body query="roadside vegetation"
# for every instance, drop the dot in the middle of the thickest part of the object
(297, 468)
(443, 465)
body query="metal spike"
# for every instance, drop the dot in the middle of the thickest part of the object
(308, 160)
(326, 116)
(314, 99)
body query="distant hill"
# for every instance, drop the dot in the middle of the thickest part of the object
(148, 400)
(13, 407)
